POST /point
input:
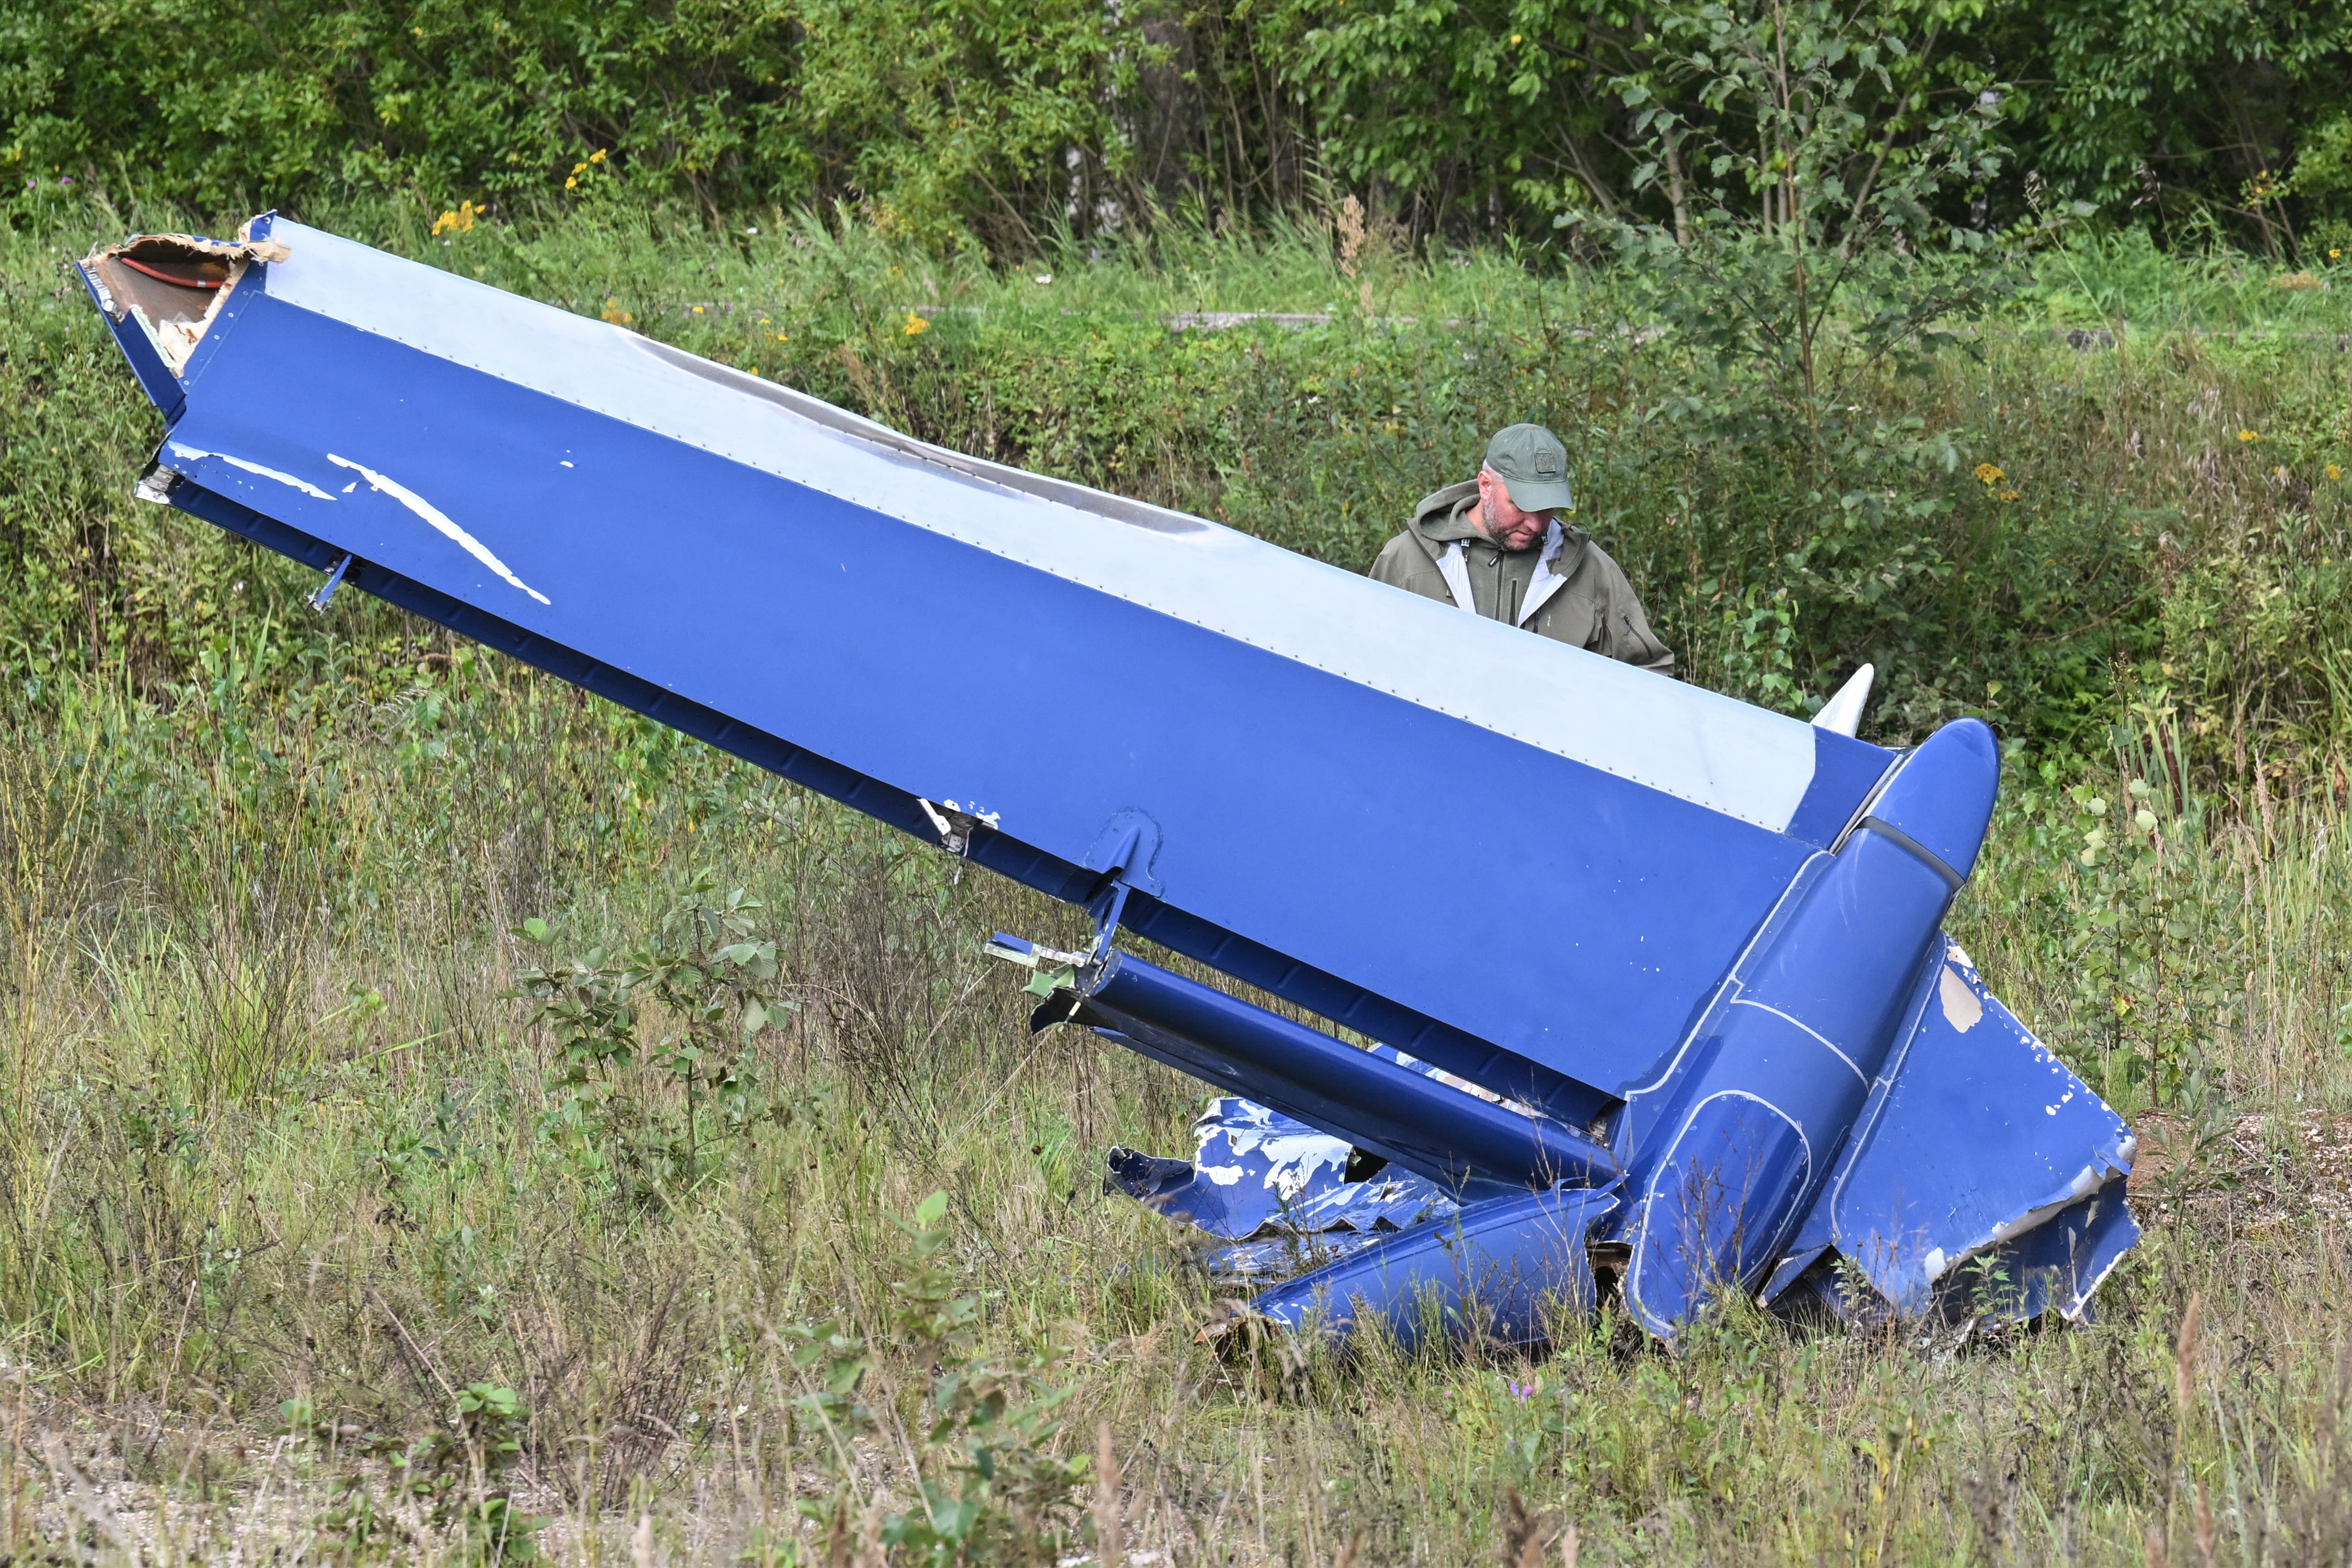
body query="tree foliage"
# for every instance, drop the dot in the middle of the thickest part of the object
(943, 116)
(957, 120)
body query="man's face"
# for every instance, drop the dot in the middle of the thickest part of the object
(1502, 522)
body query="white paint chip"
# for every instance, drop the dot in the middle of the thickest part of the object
(1962, 1006)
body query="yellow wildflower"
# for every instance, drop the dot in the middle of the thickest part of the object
(2335, 471)
(579, 168)
(2009, 495)
(698, 309)
(571, 184)
(916, 325)
(613, 313)
(2248, 436)
(597, 156)
(781, 339)
(1988, 475)
(1514, 40)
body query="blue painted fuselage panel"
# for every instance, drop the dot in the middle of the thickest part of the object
(1324, 819)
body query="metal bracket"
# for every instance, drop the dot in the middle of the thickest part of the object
(1051, 969)
(334, 580)
(1124, 853)
(955, 827)
(156, 484)
(1127, 847)
(1107, 906)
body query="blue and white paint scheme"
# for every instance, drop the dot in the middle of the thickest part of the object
(1239, 753)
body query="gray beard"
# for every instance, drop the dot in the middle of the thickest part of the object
(1495, 535)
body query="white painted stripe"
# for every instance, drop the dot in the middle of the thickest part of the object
(1797, 1023)
(1744, 761)
(439, 518)
(180, 449)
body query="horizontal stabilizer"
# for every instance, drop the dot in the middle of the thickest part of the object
(1267, 749)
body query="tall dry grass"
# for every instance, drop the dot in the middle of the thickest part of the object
(272, 1134)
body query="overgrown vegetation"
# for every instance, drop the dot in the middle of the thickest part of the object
(448, 1119)
(956, 122)
(278, 1130)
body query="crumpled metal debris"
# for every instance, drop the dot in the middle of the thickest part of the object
(1277, 1191)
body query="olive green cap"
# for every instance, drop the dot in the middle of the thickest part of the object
(1533, 467)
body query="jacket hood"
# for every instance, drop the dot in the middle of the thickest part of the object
(1432, 518)
(1434, 526)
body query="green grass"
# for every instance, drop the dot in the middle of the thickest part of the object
(271, 1115)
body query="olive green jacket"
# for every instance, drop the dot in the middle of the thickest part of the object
(1566, 588)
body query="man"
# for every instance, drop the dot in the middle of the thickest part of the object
(1495, 545)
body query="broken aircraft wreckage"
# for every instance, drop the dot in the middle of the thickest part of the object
(1690, 1020)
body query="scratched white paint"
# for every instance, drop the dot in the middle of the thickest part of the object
(439, 518)
(2088, 1180)
(1294, 1154)
(194, 454)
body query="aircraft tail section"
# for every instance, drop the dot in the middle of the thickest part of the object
(1984, 1174)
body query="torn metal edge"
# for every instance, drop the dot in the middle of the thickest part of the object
(177, 341)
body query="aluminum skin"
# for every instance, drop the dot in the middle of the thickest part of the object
(1732, 1038)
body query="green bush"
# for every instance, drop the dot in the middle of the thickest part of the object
(939, 118)
(962, 119)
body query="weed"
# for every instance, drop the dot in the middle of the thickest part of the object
(986, 1420)
(706, 974)
(454, 1479)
